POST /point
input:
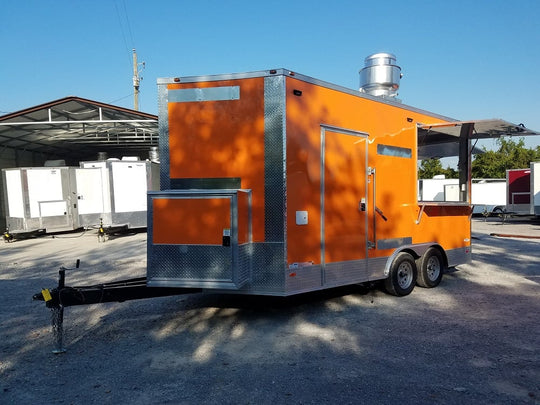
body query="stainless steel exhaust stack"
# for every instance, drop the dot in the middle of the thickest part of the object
(380, 76)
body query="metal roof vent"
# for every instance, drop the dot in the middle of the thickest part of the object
(380, 76)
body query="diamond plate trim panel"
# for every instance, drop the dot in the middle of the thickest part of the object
(268, 267)
(163, 127)
(274, 158)
(243, 268)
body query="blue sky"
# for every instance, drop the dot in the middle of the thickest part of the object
(464, 59)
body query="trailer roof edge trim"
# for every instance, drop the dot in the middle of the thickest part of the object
(295, 75)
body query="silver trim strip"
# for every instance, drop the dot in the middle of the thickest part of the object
(223, 93)
(393, 243)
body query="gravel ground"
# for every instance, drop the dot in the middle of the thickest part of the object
(474, 339)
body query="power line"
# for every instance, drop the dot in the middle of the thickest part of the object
(128, 24)
(121, 98)
(122, 31)
(136, 76)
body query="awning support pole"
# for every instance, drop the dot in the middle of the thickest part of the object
(464, 163)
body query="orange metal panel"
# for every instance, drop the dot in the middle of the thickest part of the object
(445, 224)
(190, 221)
(216, 139)
(303, 175)
(396, 177)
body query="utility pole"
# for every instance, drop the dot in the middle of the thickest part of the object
(136, 81)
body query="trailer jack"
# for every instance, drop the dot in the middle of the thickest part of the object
(8, 237)
(56, 299)
(101, 231)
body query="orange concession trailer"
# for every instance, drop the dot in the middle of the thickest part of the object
(276, 183)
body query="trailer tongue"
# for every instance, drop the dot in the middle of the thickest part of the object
(116, 291)
(62, 296)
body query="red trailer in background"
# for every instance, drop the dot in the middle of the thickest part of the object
(518, 191)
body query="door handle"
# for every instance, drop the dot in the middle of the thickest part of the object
(378, 211)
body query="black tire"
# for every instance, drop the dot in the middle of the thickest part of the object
(430, 268)
(402, 277)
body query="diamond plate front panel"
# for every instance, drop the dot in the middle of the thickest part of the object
(200, 266)
(188, 263)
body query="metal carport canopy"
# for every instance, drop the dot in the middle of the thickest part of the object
(75, 129)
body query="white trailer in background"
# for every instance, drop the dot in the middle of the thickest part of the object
(93, 193)
(438, 188)
(487, 195)
(518, 194)
(108, 193)
(114, 192)
(40, 198)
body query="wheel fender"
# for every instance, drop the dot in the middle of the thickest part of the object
(415, 250)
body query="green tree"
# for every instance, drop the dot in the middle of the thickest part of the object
(429, 168)
(510, 155)
(432, 167)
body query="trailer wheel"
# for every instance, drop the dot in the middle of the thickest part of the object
(402, 277)
(430, 268)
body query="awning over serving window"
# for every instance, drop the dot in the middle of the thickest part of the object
(442, 139)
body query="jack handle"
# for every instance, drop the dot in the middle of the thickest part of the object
(62, 274)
